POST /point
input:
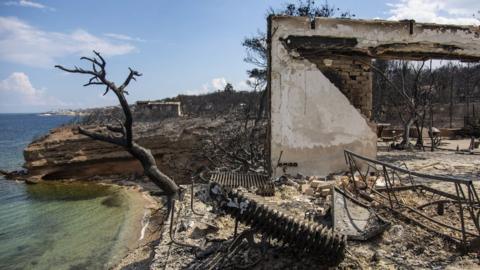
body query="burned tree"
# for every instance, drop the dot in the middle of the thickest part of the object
(409, 92)
(256, 46)
(121, 133)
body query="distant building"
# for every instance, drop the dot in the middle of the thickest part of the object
(158, 109)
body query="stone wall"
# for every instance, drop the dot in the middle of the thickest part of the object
(352, 75)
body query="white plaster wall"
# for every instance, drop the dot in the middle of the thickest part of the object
(312, 122)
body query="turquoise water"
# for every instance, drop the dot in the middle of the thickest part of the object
(54, 225)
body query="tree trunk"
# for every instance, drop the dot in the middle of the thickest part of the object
(151, 170)
(432, 138)
(122, 133)
(419, 142)
(406, 133)
(451, 102)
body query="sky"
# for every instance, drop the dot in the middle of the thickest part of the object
(180, 46)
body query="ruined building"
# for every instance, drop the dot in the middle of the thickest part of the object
(320, 83)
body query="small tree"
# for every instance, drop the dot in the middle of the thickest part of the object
(228, 88)
(409, 89)
(121, 134)
(257, 49)
(256, 46)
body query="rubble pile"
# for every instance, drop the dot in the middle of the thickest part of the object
(402, 245)
(213, 233)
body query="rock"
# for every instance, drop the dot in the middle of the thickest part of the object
(292, 183)
(64, 153)
(31, 181)
(396, 232)
(299, 176)
(344, 180)
(309, 192)
(318, 184)
(380, 182)
(201, 230)
(185, 225)
(300, 181)
(360, 184)
(376, 257)
(315, 183)
(321, 211)
(281, 180)
(304, 187)
(307, 189)
(325, 192)
(215, 246)
(330, 177)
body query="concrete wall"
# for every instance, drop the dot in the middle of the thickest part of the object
(384, 39)
(312, 122)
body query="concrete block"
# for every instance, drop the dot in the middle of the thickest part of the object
(325, 192)
(307, 189)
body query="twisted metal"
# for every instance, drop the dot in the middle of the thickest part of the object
(464, 203)
(269, 220)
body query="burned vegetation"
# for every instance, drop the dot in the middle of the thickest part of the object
(307, 173)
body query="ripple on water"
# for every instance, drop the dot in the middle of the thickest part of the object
(59, 226)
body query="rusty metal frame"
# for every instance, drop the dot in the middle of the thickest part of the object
(465, 201)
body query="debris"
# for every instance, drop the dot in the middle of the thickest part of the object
(259, 183)
(324, 192)
(355, 220)
(405, 196)
(307, 190)
(201, 230)
(396, 232)
(321, 184)
(284, 226)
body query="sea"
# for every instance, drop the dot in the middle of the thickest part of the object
(54, 225)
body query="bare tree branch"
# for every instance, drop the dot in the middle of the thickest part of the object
(102, 137)
(125, 139)
(131, 76)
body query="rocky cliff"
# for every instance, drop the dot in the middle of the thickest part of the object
(176, 143)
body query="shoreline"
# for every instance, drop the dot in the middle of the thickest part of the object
(143, 222)
(143, 229)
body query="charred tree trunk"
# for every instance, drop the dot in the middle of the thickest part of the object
(420, 143)
(430, 133)
(406, 133)
(121, 134)
(450, 112)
